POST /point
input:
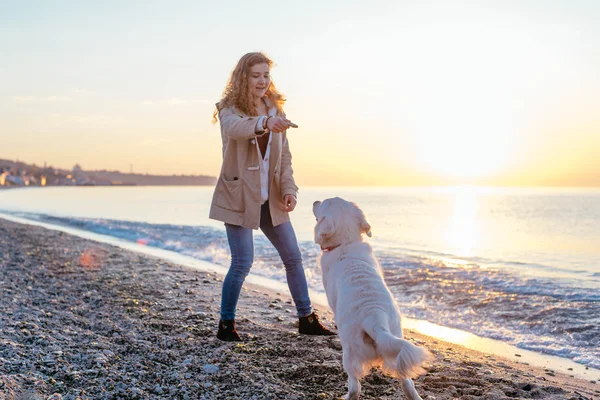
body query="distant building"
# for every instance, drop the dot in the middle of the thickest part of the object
(81, 177)
(16, 180)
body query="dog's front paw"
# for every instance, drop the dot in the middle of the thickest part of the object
(352, 396)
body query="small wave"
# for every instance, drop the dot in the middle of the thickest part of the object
(447, 260)
(493, 279)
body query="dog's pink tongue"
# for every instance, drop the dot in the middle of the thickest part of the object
(329, 248)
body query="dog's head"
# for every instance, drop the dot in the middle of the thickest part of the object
(339, 222)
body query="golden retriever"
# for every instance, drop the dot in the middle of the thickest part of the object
(367, 318)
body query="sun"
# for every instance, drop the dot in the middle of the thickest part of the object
(461, 150)
(468, 98)
(459, 137)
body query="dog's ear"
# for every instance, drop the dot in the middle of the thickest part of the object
(365, 227)
(325, 228)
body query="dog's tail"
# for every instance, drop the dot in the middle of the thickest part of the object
(400, 355)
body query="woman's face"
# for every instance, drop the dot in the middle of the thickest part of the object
(259, 80)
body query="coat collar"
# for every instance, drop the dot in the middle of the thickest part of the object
(271, 109)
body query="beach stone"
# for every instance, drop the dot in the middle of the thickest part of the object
(527, 387)
(210, 369)
(91, 334)
(158, 389)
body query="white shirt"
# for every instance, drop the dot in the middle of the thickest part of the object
(264, 171)
(264, 162)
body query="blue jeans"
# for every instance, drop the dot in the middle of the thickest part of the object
(241, 245)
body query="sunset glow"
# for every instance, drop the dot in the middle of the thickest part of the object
(443, 93)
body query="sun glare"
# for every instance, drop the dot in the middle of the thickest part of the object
(460, 151)
(459, 138)
(441, 332)
(465, 92)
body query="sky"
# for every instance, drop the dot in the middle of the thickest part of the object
(385, 92)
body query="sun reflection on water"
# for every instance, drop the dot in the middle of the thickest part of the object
(441, 332)
(463, 230)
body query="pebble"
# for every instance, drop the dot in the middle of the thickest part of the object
(122, 331)
(210, 369)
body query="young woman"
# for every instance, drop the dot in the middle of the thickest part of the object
(256, 187)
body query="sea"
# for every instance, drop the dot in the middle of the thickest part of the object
(517, 265)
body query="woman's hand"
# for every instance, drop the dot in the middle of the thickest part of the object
(279, 124)
(289, 200)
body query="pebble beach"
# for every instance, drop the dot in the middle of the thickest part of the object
(86, 320)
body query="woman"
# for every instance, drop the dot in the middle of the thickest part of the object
(256, 187)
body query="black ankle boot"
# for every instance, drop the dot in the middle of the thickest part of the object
(310, 325)
(227, 331)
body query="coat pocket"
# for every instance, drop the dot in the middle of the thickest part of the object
(230, 195)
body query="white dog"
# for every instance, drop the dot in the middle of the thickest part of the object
(367, 318)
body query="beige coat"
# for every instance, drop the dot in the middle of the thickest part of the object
(237, 197)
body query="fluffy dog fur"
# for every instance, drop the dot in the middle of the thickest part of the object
(367, 318)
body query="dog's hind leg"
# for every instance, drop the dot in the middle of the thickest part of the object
(354, 374)
(409, 390)
(399, 354)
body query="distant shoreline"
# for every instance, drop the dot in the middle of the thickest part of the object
(103, 186)
(22, 174)
(475, 187)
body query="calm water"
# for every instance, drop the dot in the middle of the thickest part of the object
(518, 265)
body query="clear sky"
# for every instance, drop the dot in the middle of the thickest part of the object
(385, 92)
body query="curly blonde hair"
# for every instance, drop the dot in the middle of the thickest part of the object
(237, 93)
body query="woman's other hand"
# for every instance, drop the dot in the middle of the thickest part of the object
(279, 124)
(289, 200)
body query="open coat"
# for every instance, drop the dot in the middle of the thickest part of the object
(237, 196)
